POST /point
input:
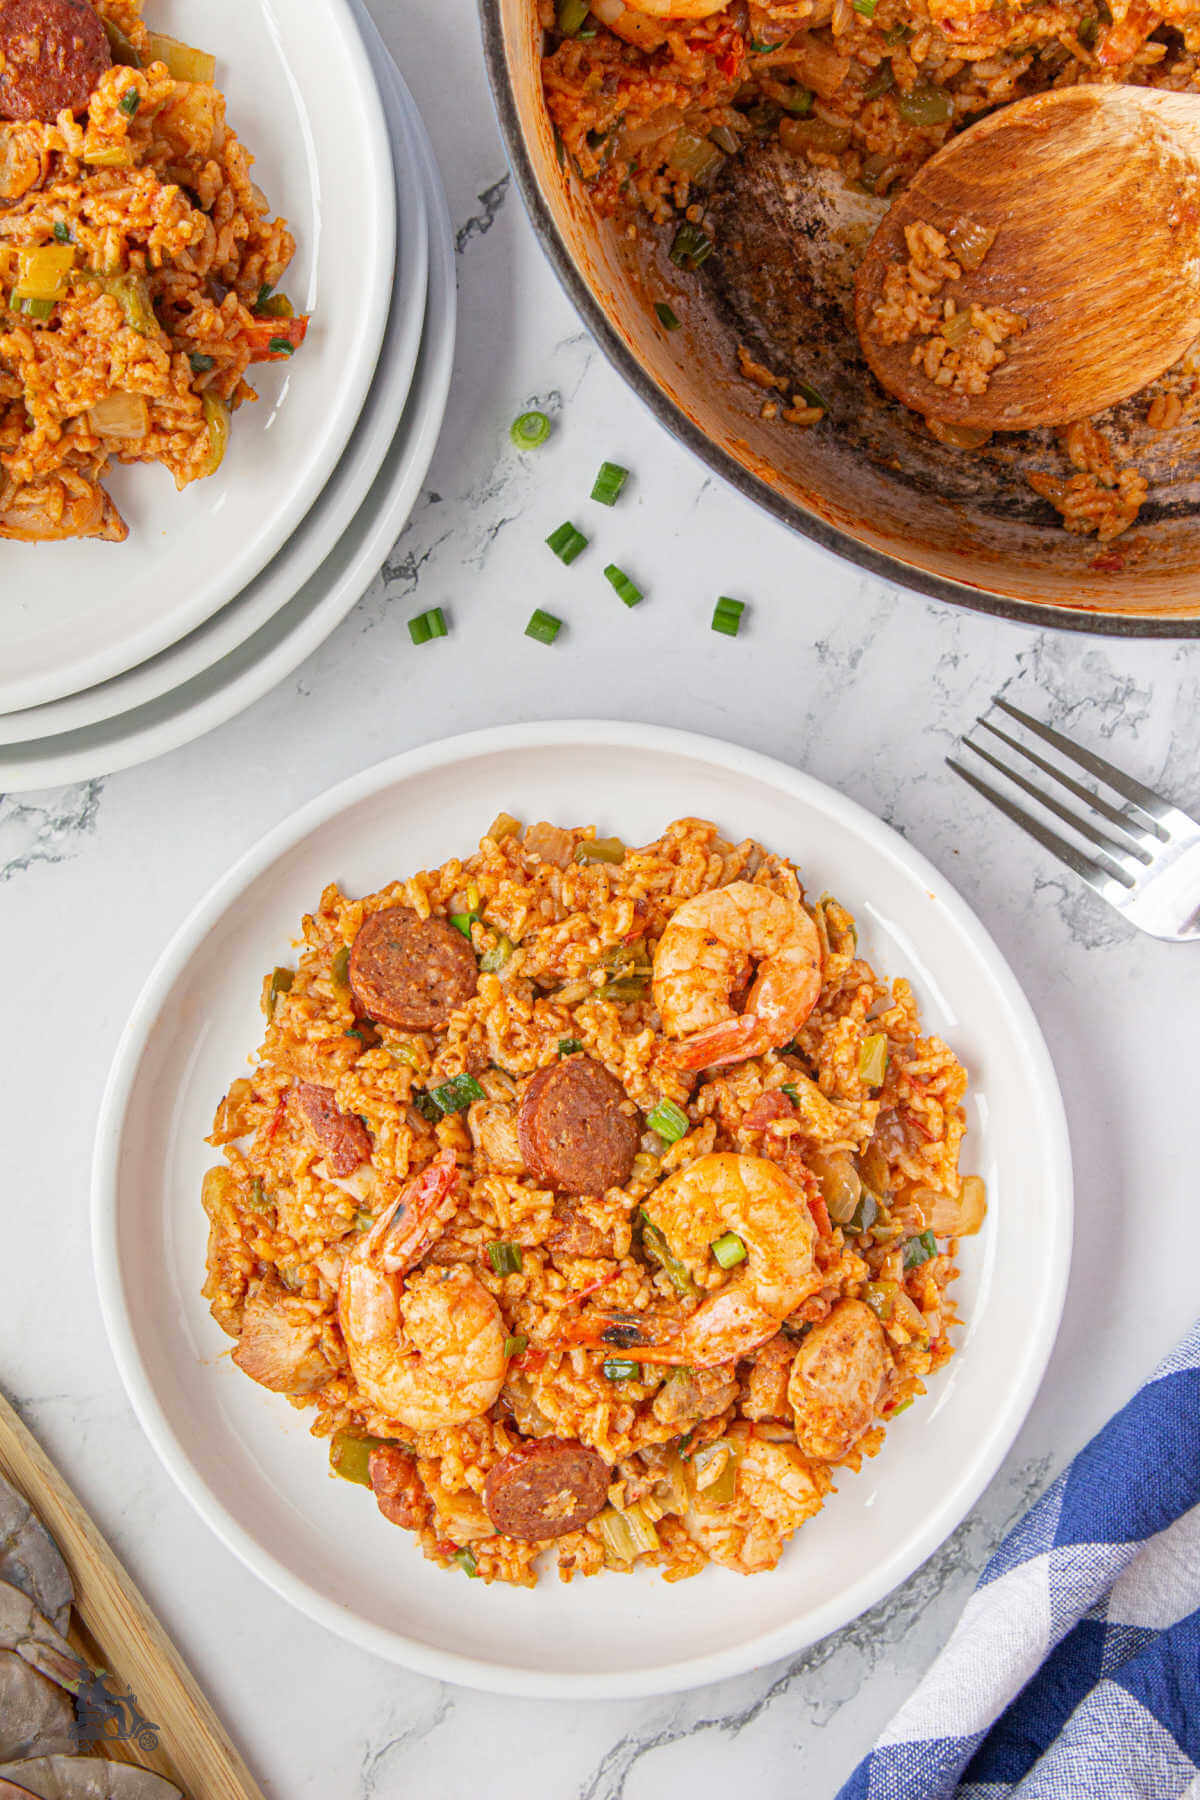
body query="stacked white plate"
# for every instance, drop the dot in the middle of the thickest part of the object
(114, 653)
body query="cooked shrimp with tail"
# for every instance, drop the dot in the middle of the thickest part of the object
(426, 1351)
(711, 947)
(759, 1217)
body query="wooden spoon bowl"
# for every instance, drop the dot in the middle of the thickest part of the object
(1094, 196)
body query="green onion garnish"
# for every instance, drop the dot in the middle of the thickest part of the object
(729, 1250)
(32, 309)
(813, 395)
(529, 429)
(873, 1059)
(201, 364)
(62, 233)
(426, 625)
(759, 46)
(543, 626)
(691, 247)
(920, 1250)
(792, 1091)
(656, 1247)
(463, 922)
(667, 316)
(281, 983)
(626, 589)
(669, 1121)
(727, 615)
(566, 542)
(569, 15)
(903, 1407)
(865, 8)
(568, 1046)
(453, 1095)
(608, 483)
(465, 1558)
(263, 295)
(505, 1258)
(129, 103)
(516, 1345)
(281, 346)
(620, 1368)
(339, 968)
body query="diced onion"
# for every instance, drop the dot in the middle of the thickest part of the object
(183, 63)
(216, 417)
(953, 1215)
(120, 415)
(714, 1476)
(841, 1184)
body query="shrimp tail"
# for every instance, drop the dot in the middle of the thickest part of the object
(601, 1329)
(732, 1040)
(399, 1238)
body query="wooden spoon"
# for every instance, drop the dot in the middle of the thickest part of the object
(1094, 196)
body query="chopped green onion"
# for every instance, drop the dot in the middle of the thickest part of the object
(263, 295)
(201, 364)
(516, 1345)
(798, 101)
(729, 1250)
(600, 850)
(505, 1258)
(1087, 33)
(669, 1121)
(281, 983)
(129, 103)
(864, 1214)
(543, 626)
(453, 1095)
(691, 247)
(62, 233)
(626, 589)
(920, 1250)
(792, 1091)
(759, 46)
(361, 1032)
(897, 34)
(465, 1558)
(655, 1244)
(529, 429)
(32, 309)
(569, 1046)
(569, 15)
(813, 395)
(865, 8)
(903, 1407)
(495, 957)
(727, 615)
(667, 316)
(463, 922)
(426, 625)
(873, 1060)
(620, 1368)
(566, 542)
(350, 1456)
(608, 484)
(281, 346)
(339, 968)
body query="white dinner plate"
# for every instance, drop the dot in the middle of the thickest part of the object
(244, 1456)
(280, 645)
(302, 97)
(336, 506)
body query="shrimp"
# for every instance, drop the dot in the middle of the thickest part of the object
(708, 951)
(713, 1197)
(428, 1351)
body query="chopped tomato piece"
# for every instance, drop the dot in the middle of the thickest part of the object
(820, 1215)
(274, 340)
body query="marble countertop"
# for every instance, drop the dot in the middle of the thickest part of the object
(864, 686)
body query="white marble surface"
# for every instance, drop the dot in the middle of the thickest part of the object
(864, 686)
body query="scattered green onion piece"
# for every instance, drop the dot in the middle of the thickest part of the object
(427, 625)
(516, 1345)
(655, 1244)
(465, 1558)
(453, 1095)
(608, 484)
(566, 542)
(727, 615)
(759, 46)
(729, 1250)
(864, 1214)
(361, 1032)
(281, 346)
(505, 1258)
(529, 429)
(864, 8)
(543, 626)
(621, 1368)
(691, 247)
(792, 1091)
(903, 1407)
(32, 309)
(350, 1456)
(667, 316)
(569, 1046)
(497, 954)
(62, 232)
(669, 1121)
(339, 968)
(920, 1250)
(129, 103)
(873, 1060)
(797, 101)
(600, 850)
(1088, 31)
(281, 983)
(569, 15)
(626, 589)
(200, 363)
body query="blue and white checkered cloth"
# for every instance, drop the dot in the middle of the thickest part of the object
(1074, 1672)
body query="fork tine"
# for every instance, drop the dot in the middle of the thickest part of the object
(1114, 814)
(1099, 840)
(1094, 873)
(1142, 797)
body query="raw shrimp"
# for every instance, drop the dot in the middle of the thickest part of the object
(709, 950)
(429, 1351)
(716, 1196)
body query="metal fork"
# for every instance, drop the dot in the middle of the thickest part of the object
(1147, 866)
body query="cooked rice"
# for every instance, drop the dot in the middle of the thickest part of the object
(274, 1209)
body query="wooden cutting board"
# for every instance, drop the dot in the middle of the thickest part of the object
(113, 1628)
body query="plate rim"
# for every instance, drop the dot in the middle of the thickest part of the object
(164, 629)
(394, 1646)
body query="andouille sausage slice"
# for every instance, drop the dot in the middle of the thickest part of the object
(545, 1488)
(52, 54)
(343, 1136)
(397, 1487)
(411, 973)
(577, 1129)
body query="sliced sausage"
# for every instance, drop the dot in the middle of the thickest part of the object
(342, 1136)
(578, 1131)
(835, 1380)
(410, 972)
(52, 54)
(397, 1487)
(545, 1488)
(280, 1342)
